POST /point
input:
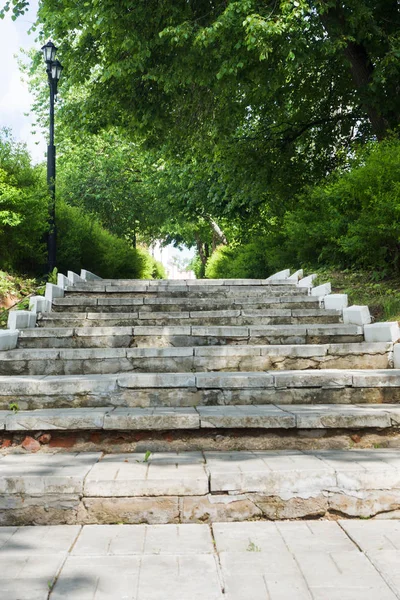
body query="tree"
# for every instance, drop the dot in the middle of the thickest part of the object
(106, 175)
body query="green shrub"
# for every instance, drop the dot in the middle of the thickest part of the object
(247, 261)
(158, 271)
(353, 219)
(83, 243)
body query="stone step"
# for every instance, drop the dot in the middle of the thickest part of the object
(324, 416)
(161, 336)
(94, 304)
(327, 386)
(191, 487)
(172, 283)
(101, 290)
(81, 361)
(217, 317)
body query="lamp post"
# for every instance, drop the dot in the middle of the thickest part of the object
(53, 69)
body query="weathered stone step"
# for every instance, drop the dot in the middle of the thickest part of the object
(217, 317)
(81, 361)
(101, 290)
(324, 416)
(195, 487)
(93, 304)
(328, 386)
(172, 283)
(161, 336)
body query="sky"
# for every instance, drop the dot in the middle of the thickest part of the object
(15, 99)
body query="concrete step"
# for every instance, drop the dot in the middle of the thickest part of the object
(204, 317)
(327, 386)
(154, 304)
(161, 336)
(81, 361)
(195, 487)
(324, 416)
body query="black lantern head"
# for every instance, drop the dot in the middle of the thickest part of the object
(49, 52)
(56, 68)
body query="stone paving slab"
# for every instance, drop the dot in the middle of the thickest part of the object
(139, 578)
(305, 560)
(108, 540)
(342, 576)
(374, 536)
(266, 537)
(136, 474)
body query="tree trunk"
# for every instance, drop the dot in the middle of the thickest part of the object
(217, 230)
(361, 66)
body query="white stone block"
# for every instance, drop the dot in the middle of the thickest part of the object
(39, 304)
(21, 319)
(296, 275)
(336, 302)
(53, 291)
(280, 275)
(88, 276)
(62, 281)
(8, 339)
(307, 281)
(74, 277)
(357, 315)
(321, 290)
(396, 356)
(382, 332)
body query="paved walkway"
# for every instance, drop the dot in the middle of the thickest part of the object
(303, 560)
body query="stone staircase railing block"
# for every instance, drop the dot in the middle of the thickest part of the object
(39, 304)
(74, 277)
(336, 302)
(53, 291)
(63, 281)
(279, 275)
(307, 281)
(296, 276)
(321, 290)
(21, 319)
(382, 332)
(357, 315)
(8, 339)
(89, 276)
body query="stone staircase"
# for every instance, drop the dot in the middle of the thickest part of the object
(197, 401)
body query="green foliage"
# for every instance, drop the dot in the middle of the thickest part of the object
(382, 295)
(23, 208)
(242, 105)
(84, 243)
(246, 261)
(106, 175)
(353, 219)
(158, 271)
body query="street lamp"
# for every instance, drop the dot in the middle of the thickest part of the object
(53, 69)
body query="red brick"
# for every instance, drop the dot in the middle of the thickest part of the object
(30, 444)
(63, 442)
